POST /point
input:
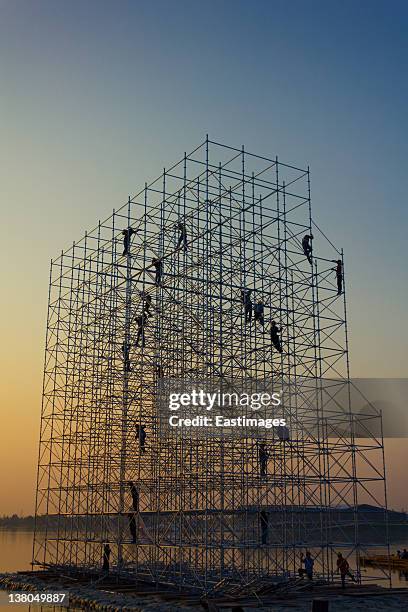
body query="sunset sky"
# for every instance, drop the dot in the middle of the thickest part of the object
(96, 97)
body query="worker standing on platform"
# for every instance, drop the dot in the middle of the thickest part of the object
(159, 370)
(135, 495)
(307, 246)
(259, 312)
(263, 459)
(127, 234)
(264, 522)
(247, 302)
(158, 266)
(147, 304)
(106, 557)
(308, 562)
(183, 236)
(275, 331)
(344, 569)
(126, 358)
(141, 436)
(339, 275)
(141, 323)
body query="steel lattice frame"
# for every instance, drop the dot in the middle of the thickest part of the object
(200, 500)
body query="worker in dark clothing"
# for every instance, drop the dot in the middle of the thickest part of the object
(158, 266)
(308, 562)
(275, 337)
(141, 436)
(141, 323)
(106, 556)
(147, 304)
(259, 312)
(127, 234)
(183, 236)
(247, 302)
(339, 275)
(344, 569)
(132, 527)
(135, 495)
(159, 370)
(126, 358)
(263, 459)
(307, 246)
(264, 523)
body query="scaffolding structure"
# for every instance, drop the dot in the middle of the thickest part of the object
(196, 516)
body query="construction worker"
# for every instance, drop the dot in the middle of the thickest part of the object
(141, 323)
(259, 312)
(147, 304)
(247, 302)
(135, 495)
(339, 275)
(126, 358)
(127, 234)
(158, 266)
(141, 436)
(283, 433)
(307, 246)
(183, 236)
(132, 527)
(264, 523)
(263, 459)
(106, 556)
(308, 562)
(344, 569)
(275, 331)
(159, 370)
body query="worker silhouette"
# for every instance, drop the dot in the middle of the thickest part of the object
(263, 456)
(126, 358)
(259, 313)
(135, 495)
(132, 527)
(106, 557)
(307, 246)
(275, 331)
(159, 370)
(141, 322)
(158, 266)
(182, 236)
(339, 275)
(147, 304)
(141, 436)
(127, 234)
(247, 302)
(264, 523)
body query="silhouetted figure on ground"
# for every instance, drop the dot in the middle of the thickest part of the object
(339, 275)
(259, 312)
(182, 236)
(275, 331)
(307, 246)
(247, 302)
(141, 322)
(308, 562)
(158, 266)
(127, 235)
(264, 523)
(141, 436)
(126, 358)
(135, 495)
(132, 527)
(344, 569)
(263, 459)
(404, 554)
(106, 557)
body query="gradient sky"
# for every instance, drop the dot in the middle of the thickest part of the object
(96, 97)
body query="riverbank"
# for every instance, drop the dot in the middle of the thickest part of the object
(107, 598)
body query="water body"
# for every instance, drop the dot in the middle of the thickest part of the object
(16, 551)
